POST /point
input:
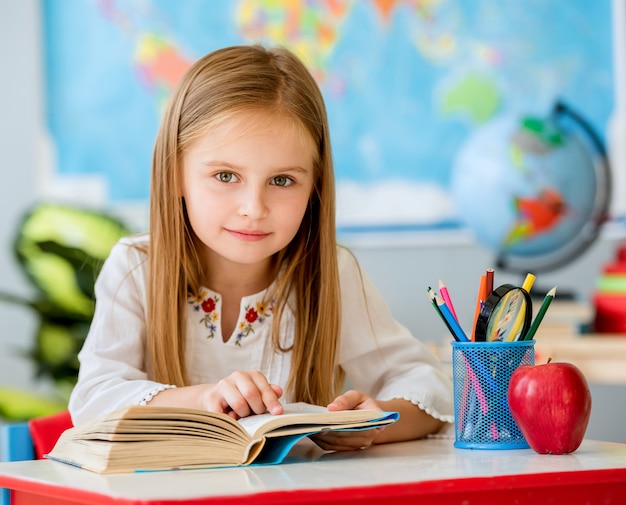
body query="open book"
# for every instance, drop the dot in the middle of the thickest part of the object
(162, 438)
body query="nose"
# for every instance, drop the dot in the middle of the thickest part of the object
(253, 203)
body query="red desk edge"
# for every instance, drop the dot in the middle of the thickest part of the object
(585, 486)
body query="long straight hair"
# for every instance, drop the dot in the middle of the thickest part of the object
(220, 85)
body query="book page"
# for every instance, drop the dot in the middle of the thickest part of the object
(296, 414)
(252, 423)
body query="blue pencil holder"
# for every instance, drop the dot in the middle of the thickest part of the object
(481, 372)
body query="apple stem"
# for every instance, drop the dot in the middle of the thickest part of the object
(549, 359)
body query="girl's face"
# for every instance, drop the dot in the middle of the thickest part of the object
(246, 184)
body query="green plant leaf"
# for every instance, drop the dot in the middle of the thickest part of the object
(18, 405)
(61, 250)
(85, 267)
(56, 350)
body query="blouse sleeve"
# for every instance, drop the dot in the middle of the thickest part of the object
(380, 356)
(112, 361)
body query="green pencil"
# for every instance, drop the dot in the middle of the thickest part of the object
(539, 317)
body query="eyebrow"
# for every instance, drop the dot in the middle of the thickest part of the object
(225, 164)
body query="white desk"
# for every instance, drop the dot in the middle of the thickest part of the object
(429, 471)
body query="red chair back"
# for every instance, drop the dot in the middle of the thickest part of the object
(45, 431)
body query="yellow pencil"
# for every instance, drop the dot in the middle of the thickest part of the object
(528, 282)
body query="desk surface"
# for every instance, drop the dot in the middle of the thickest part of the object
(432, 470)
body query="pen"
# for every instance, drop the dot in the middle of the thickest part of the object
(542, 312)
(443, 291)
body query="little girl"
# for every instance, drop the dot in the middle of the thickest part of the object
(239, 297)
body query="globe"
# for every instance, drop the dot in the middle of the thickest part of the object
(534, 190)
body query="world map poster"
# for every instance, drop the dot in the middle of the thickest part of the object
(406, 83)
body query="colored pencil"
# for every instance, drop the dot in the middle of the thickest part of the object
(489, 284)
(528, 282)
(542, 312)
(431, 295)
(445, 294)
(457, 331)
(480, 300)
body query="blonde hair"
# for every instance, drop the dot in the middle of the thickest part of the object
(223, 83)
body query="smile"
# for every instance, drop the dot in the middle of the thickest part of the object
(248, 235)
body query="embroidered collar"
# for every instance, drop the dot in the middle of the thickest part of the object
(256, 313)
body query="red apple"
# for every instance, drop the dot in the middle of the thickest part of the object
(551, 404)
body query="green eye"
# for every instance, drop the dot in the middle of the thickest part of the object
(226, 177)
(282, 180)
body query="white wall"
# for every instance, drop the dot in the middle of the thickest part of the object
(402, 271)
(20, 120)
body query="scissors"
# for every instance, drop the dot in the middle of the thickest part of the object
(505, 315)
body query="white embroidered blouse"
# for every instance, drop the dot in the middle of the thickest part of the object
(380, 356)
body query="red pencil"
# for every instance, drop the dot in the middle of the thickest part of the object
(480, 300)
(443, 291)
(489, 286)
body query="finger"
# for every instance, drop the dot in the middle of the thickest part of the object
(349, 400)
(233, 414)
(273, 404)
(245, 396)
(245, 393)
(232, 398)
(277, 389)
(256, 396)
(267, 395)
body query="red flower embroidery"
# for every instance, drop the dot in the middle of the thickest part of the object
(208, 305)
(251, 315)
(254, 316)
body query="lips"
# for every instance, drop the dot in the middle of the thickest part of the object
(248, 235)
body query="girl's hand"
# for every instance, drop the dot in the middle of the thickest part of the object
(242, 394)
(353, 400)
(349, 440)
